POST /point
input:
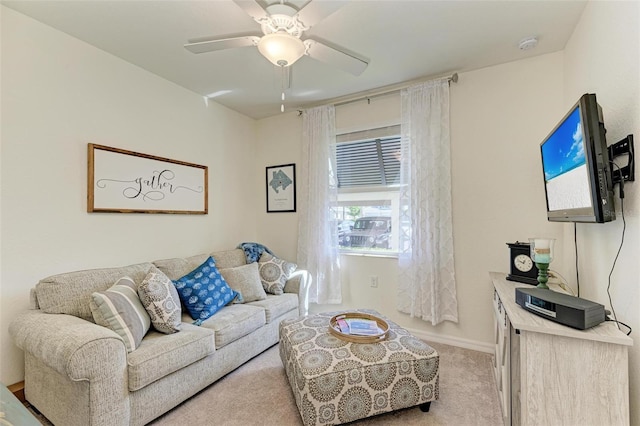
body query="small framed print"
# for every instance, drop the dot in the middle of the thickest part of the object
(281, 188)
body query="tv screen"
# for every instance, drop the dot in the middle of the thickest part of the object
(576, 169)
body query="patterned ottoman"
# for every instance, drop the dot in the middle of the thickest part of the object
(336, 382)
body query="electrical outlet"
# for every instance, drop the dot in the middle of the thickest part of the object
(374, 281)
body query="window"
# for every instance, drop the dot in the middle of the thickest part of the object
(368, 170)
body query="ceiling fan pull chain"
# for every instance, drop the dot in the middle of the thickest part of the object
(282, 88)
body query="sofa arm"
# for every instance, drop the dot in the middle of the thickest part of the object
(71, 362)
(299, 283)
(75, 348)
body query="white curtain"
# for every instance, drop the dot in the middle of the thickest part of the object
(318, 193)
(427, 286)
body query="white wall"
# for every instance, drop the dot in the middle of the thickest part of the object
(278, 142)
(603, 57)
(58, 94)
(499, 115)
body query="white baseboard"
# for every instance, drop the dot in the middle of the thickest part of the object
(453, 341)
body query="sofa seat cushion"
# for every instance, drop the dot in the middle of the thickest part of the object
(233, 322)
(275, 306)
(162, 354)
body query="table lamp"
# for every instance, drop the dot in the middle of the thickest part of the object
(542, 255)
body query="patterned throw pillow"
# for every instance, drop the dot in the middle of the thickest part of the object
(245, 280)
(204, 291)
(119, 309)
(274, 273)
(160, 298)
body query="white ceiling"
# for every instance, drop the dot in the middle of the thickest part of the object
(403, 40)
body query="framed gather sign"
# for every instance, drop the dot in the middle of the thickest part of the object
(121, 181)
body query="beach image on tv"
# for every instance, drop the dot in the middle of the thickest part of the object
(565, 168)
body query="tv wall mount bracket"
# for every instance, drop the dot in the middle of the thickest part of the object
(618, 149)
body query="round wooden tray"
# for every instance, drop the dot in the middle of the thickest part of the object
(355, 338)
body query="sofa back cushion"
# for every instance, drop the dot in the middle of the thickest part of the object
(70, 293)
(180, 266)
(229, 258)
(245, 280)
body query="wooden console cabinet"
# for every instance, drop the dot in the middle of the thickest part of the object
(550, 374)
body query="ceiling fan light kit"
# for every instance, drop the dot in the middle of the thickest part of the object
(281, 49)
(282, 44)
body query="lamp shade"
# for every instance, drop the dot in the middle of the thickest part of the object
(281, 49)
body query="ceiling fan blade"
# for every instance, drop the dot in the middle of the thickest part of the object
(316, 10)
(252, 8)
(208, 45)
(345, 61)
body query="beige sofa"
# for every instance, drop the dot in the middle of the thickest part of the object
(79, 373)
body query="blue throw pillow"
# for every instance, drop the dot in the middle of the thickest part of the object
(204, 291)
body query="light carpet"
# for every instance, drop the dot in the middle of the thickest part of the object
(258, 393)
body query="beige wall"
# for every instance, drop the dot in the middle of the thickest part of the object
(278, 142)
(58, 94)
(499, 115)
(603, 57)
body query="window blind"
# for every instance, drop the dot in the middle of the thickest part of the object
(368, 163)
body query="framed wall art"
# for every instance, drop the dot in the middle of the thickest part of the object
(281, 188)
(121, 181)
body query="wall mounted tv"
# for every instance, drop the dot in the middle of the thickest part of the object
(575, 163)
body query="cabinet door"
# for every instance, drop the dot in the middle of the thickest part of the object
(502, 358)
(515, 376)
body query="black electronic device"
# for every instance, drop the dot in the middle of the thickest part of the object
(576, 166)
(562, 308)
(522, 267)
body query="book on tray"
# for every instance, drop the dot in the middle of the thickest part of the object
(358, 326)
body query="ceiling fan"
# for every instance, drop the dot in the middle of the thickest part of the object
(283, 26)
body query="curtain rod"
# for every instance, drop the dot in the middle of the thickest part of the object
(344, 100)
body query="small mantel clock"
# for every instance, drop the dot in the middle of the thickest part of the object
(523, 268)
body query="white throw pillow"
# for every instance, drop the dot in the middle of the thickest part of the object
(160, 298)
